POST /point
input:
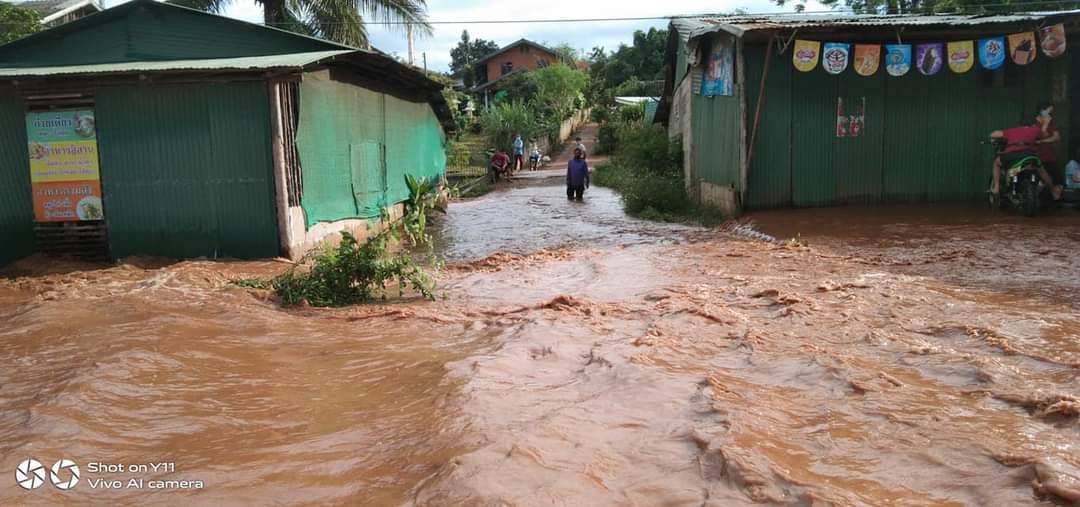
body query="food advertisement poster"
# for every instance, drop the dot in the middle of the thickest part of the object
(1052, 40)
(64, 173)
(867, 59)
(1022, 47)
(930, 58)
(897, 59)
(836, 56)
(992, 52)
(805, 55)
(961, 56)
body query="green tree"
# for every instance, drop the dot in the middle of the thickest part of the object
(567, 53)
(465, 55)
(336, 20)
(17, 22)
(641, 61)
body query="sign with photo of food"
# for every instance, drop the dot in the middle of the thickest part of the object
(64, 173)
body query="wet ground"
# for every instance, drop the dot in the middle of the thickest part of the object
(578, 357)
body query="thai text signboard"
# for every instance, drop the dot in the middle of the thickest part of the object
(64, 173)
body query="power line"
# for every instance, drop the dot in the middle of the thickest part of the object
(840, 11)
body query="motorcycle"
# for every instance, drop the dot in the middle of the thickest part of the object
(1021, 187)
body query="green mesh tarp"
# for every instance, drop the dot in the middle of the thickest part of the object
(357, 145)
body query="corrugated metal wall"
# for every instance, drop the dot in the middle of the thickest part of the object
(715, 127)
(16, 205)
(186, 170)
(920, 141)
(356, 145)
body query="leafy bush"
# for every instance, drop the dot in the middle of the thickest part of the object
(353, 273)
(646, 172)
(501, 122)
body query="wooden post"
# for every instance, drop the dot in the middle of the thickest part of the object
(281, 186)
(760, 101)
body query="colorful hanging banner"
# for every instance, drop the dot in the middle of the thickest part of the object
(897, 59)
(1052, 40)
(929, 58)
(1022, 48)
(991, 52)
(835, 57)
(867, 59)
(718, 74)
(805, 55)
(961, 56)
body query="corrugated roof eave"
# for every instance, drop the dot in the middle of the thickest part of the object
(247, 63)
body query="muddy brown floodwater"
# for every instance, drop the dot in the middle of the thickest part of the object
(578, 357)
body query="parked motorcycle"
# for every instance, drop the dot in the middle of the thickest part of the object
(1021, 187)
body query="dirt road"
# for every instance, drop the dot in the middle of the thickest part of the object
(578, 357)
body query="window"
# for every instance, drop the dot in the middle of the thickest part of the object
(507, 68)
(541, 63)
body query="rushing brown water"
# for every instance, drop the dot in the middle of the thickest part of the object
(579, 357)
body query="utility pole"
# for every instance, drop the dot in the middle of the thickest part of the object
(424, 54)
(409, 34)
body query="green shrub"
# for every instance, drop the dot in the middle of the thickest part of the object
(353, 273)
(502, 122)
(648, 147)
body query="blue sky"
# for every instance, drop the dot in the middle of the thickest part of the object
(581, 35)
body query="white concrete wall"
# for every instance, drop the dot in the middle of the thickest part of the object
(305, 240)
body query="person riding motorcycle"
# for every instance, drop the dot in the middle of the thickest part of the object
(1019, 143)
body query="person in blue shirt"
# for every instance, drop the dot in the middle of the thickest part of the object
(577, 176)
(519, 153)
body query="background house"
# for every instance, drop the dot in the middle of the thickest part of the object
(152, 129)
(58, 12)
(774, 141)
(520, 56)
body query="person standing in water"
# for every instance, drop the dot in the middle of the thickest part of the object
(577, 176)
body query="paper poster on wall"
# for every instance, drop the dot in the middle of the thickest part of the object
(835, 57)
(64, 173)
(897, 59)
(1022, 48)
(1052, 40)
(850, 125)
(867, 59)
(719, 73)
(961, 56)
(930, 58)
(991, 52)
(805, 55)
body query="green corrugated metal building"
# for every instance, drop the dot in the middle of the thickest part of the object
(214, 137)
(773, 141)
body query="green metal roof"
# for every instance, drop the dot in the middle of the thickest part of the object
(287, 61)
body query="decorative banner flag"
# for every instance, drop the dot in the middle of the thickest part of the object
(835, 57)
(992, 52)
(1052, 40)
(805, 55)
(961, 56)
(897, 59)
(867, 59)
(1022, 47)
(930, 58)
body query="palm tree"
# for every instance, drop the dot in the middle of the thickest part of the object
(337, 20)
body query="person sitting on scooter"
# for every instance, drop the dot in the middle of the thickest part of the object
(1019, 143)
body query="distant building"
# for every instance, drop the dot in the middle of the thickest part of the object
(154, 129)
(520, 56)
(58, 12)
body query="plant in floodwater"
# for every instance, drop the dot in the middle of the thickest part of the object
(354, 272)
